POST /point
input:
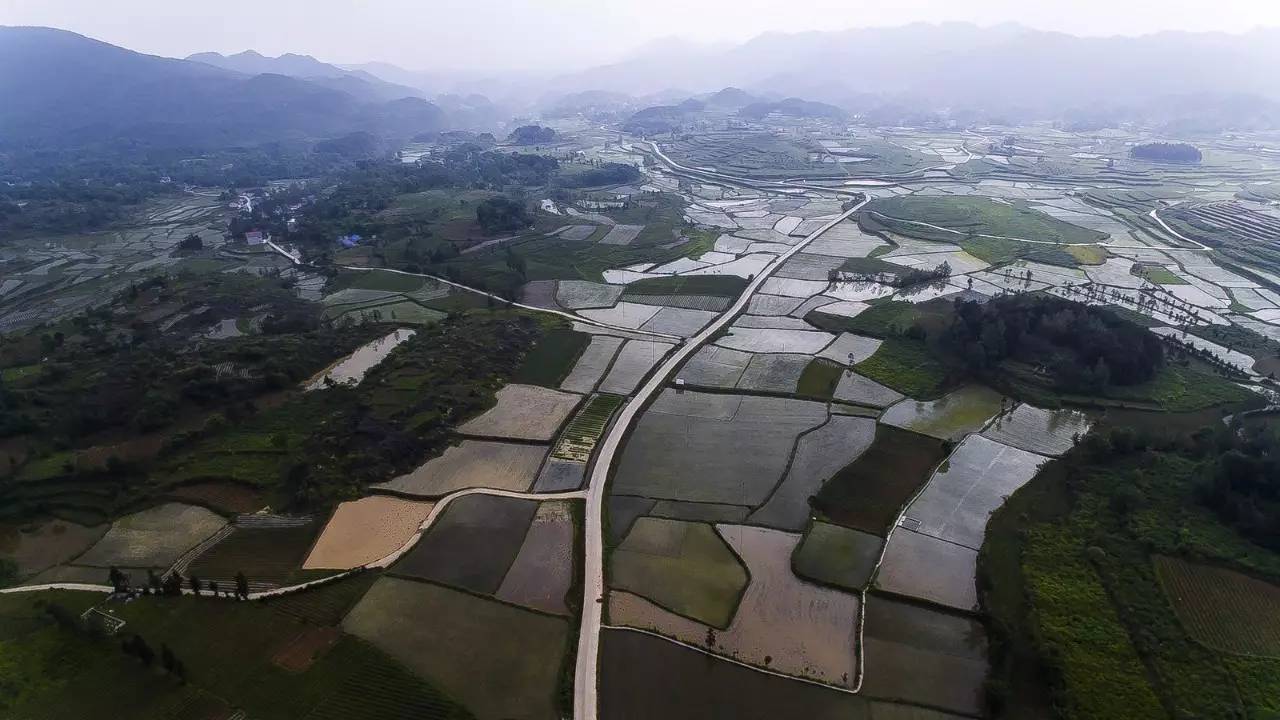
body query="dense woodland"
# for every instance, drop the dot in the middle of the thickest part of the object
(1082, 348)
(1241, 482)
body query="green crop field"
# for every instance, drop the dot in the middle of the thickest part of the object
(583, 432)
(1222, 609)
(907, 366)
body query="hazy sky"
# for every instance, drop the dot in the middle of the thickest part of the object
(567, 34)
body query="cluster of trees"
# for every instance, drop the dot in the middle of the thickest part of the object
(361, 193)
(605, 174)
(1082, 348)
(532, 135)
(1241, 481)
(1166, 152)
(502, 214)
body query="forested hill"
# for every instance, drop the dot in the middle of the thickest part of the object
(78, 91)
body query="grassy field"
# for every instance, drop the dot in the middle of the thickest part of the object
(230, 651)
(1159, 275)
(907, 366)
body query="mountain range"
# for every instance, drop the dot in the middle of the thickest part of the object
(69, 90)
(1003, 72)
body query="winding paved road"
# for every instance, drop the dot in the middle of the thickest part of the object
(586, 676)
(576, 318)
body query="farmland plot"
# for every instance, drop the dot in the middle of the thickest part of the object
(643, 677)
(624, 314)
(794, 288)
(582, 294)
(155, 537)
(773, 373)
(775, 322)
(623, 512)
(974, 481)
(850, 349)
(766, 340)
(716, 448)
(362, 531)
(868, 493)
(782, 623)
(711, 303)
(473, 463)
(714, 366)
(950, 417)
(855, 388)
(621, 235)
(809, 266)
(579, 439)
(838, 556)
(633, 362)
(682, 566)
(267, 548)
(499, 661)
(922, 656)
(38, 548)
(926, 568)
(591, 364)
(683, 322)
(523, 412)
(472, 544)
(1046, 432)
(560, 476)
(819, 455)
(761, 304)
(543, 569)
(1223, 609)
(699, 512)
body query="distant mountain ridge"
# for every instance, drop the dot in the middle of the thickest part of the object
(357, 83)
(74, 90)
(965, 71)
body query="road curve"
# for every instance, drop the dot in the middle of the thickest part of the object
(576, 318)
(585, 676)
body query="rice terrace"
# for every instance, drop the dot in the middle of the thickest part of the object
(633, 405)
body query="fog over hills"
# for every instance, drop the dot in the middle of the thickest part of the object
(1001, 70)
(78, 90)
